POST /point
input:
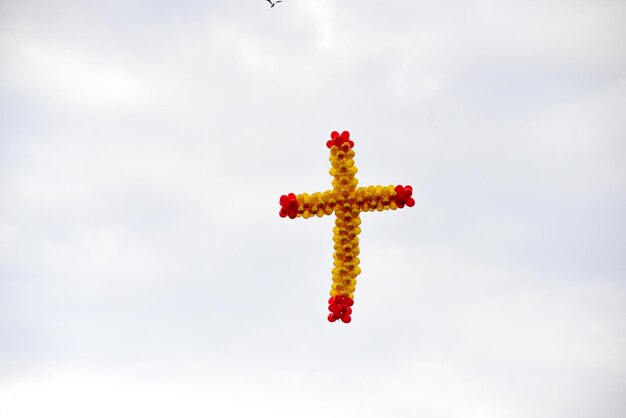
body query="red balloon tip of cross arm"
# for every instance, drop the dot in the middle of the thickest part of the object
(404, 196)
(340, 307)
(346, 201)
(288, 206)
(337, 139)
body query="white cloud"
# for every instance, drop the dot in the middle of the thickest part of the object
(323, 13)
(78, 78)
(145, 270)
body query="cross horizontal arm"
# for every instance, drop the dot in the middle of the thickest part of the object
(307, 205)
(383, 197)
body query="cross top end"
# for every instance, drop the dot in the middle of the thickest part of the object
(338, 139)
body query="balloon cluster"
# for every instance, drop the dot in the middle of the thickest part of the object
(305, 205)
(337, 139)
(346, 201)
(379, 198)
(340, 307)
(347, 221)
(288, 206)
(404, 196)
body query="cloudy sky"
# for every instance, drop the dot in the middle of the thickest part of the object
(144, 270)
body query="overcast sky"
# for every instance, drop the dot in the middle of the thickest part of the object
(144, 270)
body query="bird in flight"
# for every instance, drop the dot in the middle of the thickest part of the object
(274, 3)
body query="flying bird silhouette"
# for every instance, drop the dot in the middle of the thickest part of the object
(274, 3)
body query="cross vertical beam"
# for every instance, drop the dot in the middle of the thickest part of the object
(347, 202)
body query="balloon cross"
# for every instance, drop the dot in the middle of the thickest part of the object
(346, 201)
